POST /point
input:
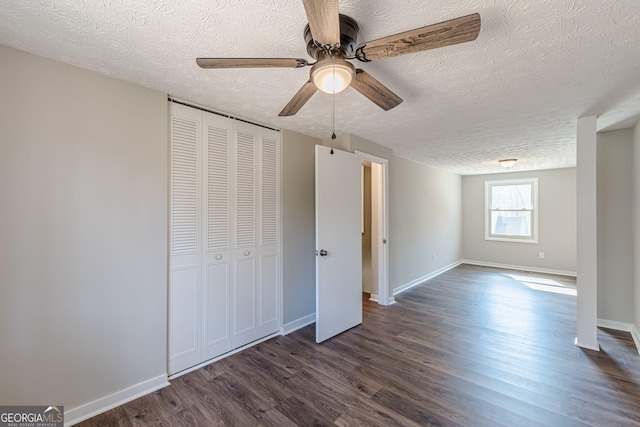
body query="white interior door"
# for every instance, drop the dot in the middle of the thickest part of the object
(338, 242)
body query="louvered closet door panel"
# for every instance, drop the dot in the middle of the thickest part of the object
(216, 309)
(269, 276)
(185, 256)
(245, 189)
(245, 292)
(258, 263)
(269, 190)
(184, 319)
(245, 267)
(225, 226)
(216, 301)
(269, 249)
(246, 297)
(218, 209)
(184, 185)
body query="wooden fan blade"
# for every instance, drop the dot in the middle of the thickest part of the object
(299, 99)
(381, 95)
(459, 30)
(324, 21)
(251, 62)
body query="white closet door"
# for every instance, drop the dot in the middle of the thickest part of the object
(184, 246)
(216, 274)
(224, 260)
(256, 255)
(244, 263)
(269, 242)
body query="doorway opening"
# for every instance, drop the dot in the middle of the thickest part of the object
(374, 228)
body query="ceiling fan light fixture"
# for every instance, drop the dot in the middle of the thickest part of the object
(332, 75)
(507, 163)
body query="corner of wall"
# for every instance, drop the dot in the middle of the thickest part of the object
(298, 224)
(360, 144)
(635, 334)
(636, 229)
(91, 409)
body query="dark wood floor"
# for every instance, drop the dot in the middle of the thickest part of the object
(472, 347)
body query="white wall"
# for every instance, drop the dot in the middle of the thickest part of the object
(299, 228)
(556, 221)
(636, 225)
(83, 233)
(615, 240)
(425, 205)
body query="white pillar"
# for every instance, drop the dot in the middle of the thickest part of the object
(587, 334)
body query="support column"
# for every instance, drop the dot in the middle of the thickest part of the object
(587, 334)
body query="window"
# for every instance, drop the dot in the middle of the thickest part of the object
(511, 211)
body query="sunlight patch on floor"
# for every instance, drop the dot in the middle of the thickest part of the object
(544, 284)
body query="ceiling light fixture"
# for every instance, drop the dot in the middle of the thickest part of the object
(507, 163)
(332, 75)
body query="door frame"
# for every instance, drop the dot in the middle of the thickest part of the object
(383, 296)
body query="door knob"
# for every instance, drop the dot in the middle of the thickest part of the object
(246, 253)
(218, 257)
(323, 252)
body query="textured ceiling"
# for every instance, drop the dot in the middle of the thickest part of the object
(516, 91)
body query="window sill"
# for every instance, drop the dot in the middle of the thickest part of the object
(511, 240)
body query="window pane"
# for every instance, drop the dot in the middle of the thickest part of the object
(517, 196)
(511, 223)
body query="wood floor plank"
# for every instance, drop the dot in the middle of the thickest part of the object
(474, 347)
(367, 412)
(337, 368)
(319, 395)
(302, 414)
(275, 418)
(268, 390)
(421, 414)
(114, 417)
(190, 416)
(141, 412)
(216, 403)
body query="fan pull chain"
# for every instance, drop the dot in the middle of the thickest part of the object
(333, 120)
(333, 108)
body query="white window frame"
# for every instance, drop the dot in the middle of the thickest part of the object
(534, 212)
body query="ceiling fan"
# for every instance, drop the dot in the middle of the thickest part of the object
(331, 40)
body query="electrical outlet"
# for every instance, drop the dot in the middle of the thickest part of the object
(541, 255)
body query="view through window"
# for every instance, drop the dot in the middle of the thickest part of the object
(511, 211)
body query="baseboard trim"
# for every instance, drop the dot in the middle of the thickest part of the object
(635, 334)
(624, 327)
(222, 356)
(298, 324)
(595, 347)
(374, 298)
(423, 279)
(91, 409)
(612, 324)
(519, 267)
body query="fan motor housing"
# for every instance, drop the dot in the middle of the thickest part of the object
(348, 39)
